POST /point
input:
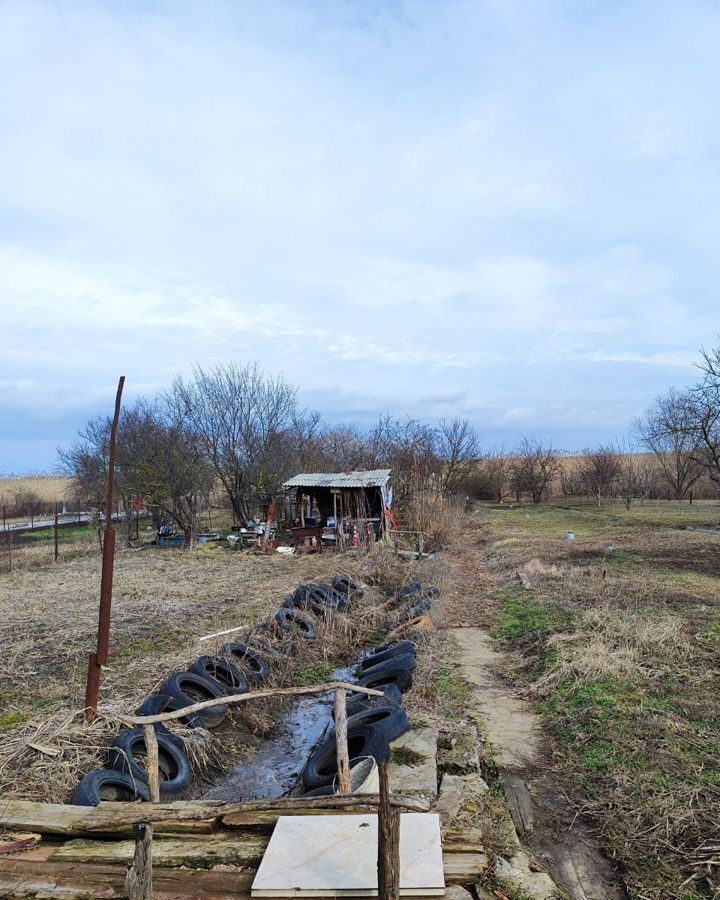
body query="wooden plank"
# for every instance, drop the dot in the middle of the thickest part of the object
(519, 801)
(75, 881)
(464, 868)
(59, 818)
(108, 817)
(266, 819)
(462, 840)
(136, 813)
(231, 699)
(201, 851)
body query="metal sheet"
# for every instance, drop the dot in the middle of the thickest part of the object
(371, 478)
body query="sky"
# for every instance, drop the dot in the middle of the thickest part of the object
(503, 211)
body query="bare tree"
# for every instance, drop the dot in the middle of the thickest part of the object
(241, 419)
(162, 461)
(458, 448)
(639, 475)
(704, 401)
(672, 430)
(599, 471)
(533, 467)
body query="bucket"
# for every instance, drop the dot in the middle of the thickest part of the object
(364, 778)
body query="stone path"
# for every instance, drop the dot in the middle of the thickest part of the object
(513, 739)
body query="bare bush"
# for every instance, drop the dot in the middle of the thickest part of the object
(533, 467)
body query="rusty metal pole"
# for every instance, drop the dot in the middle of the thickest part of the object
(100, 657)
(55, 533)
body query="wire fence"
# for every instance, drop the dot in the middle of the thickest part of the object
(46, 544)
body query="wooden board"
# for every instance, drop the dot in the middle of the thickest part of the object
(196, 851)
(60, 818)
(77, 881)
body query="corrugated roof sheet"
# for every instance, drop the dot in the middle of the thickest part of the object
(371, 478)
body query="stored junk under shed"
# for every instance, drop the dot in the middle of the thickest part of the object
(338, 509)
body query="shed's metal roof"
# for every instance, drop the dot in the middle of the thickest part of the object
(372, 478)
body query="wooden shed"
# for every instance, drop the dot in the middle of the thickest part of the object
(339, 507)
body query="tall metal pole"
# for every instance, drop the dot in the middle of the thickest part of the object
(100, 657)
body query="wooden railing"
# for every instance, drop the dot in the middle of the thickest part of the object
(139, 876)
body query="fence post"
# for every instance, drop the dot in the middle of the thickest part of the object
(388, 860)
(341, 744)
(10, 550)
(56, 533)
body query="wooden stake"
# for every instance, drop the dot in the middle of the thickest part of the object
(153, 764)
(341, 743)
(138, 881)
(388, 864)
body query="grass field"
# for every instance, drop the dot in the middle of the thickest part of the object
(47, 488)
(163, 601)
(619, 635)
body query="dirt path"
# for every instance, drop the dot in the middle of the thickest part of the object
(514, 740)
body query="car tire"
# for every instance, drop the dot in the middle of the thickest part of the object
(158, 703)
(250, 660)
(297, 621)
(393, 671)
(347, 586)
(175, 773)
(321, 767)
(108, 784)
(189, 688)
(390, 721)
(378, 656)
(356, 702)
(228, 676)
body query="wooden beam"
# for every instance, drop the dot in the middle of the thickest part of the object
(58, 818)
(251, 695)
(171, 851)
(135, 813)
(20, 879)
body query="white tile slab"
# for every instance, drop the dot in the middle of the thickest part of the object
(336, 856)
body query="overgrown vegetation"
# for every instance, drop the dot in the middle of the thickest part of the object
(619, 639)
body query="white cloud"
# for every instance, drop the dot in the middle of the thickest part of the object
(482, 208)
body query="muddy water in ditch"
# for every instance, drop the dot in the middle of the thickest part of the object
(275, 767)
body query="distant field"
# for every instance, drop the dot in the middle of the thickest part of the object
(47, 488)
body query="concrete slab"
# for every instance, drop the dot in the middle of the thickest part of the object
(413, 764)
(336, 856)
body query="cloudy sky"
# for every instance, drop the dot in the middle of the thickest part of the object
(503, 211)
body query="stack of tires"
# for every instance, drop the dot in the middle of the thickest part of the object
(372, 722)
(416, 601)
(238, 667)
(302, 611)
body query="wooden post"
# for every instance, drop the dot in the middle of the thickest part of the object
(56, 533)
(343, 756)
(138, 881)
(388, 864)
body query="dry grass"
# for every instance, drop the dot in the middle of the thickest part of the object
(621, 650)
(163, 602)
(47, 488)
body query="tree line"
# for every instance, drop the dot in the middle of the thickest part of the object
(674, 454)
(236, 430)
